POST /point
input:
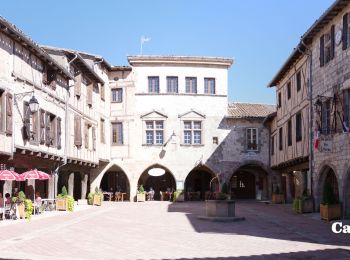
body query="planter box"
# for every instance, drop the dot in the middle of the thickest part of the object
(21, 210)
(140, 197)
(180, 197)
(277, 198)
(220, 208)
(62, 204)
(330, 212)
(97, 200)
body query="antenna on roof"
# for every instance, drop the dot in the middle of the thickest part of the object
(142, 41)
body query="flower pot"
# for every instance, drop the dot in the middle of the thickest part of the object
(330, 212)
(21, 210)
(61, 204)
(97, 200)
(277, 198)
(140, 197)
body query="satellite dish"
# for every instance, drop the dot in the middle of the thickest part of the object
(156, 172)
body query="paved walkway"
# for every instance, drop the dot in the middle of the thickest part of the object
(161, 230)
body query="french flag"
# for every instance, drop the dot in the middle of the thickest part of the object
(317, 140)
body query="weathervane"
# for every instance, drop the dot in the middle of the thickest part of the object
(143, 40)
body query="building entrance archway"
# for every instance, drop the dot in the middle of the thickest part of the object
(200, 180)
(327, 176)
(115, 180)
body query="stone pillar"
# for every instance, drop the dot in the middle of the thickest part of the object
(55, 192)
(71, 183)
(84, 183)
(288, 191)
(51, 187)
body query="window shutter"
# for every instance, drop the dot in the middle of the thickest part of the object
(77, 131)
(42, 126)
(332, 42)
(77, 85)
(45, 74)
(9, 99)
(322, 51)
(59, 132)
(35, 126)
(86, 135)
(345, 31)
(89, 95)
(47, 129)
(102, 92)
(26, 122)
(94, 138)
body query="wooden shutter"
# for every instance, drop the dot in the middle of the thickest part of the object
(26, 122)
(77, 131)
(59, 133)
(47, 129)
(77, 85)
(322, 51)
(93, 138)
(89, 94)
(102, 92)
(44, 74)
(345, 32)
(86, 135)
(9, 99)
(332, 42)
(35, 126)
(42, 126)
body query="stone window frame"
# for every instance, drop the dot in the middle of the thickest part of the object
(192, 131)
(250, 145)
(172, 83)
(114, 126)
(154, 131)
(116, 95)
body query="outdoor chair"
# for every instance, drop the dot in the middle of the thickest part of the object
(118, 196)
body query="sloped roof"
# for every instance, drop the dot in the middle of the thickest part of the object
(248, 110)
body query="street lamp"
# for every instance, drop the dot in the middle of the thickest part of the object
(173, 135)
(33, 104)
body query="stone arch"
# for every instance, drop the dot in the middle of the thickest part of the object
(250, 180)
(346, 194)
(327, 173)
(201, 179)
(160, 184)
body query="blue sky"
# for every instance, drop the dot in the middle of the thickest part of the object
(259, 35)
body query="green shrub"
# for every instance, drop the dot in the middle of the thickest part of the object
(29, 208)
(64, 191)
(296, 205)
(141, 190)
(90, 198)
(176, 194)
(329, 197)
(21, 196)
(70, 203)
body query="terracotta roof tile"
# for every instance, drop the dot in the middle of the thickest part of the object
(247, 110)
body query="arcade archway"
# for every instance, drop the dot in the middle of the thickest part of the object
(327, 176)
(164, 183)
(200, 180)
(115, 180)
(249, 182)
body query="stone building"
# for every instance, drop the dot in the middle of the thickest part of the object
(326, 45)
(110, 127)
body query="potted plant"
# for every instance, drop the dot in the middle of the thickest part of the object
(330, 207)
(140, 196)
(178, 195)
(97, 197)
(277, 196)
(28, 208)
(20, 204)
(64, 201)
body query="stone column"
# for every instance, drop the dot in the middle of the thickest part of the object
(71, 183)
(288, 191)
(55, 185)
(51, 187)
(84, 183)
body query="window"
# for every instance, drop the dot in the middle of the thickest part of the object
(102, 130)
(279, 100)
(325, 117)
(192, 132)
(191, 85)
(117, 95)
(289, 132)
(346, 31)
(172, 84)
(209, 86)
(298, 81)
(298, 129)
(215, 140)
(50, 129)
(117, 133)
(102, 91)
(154, 132)
(280, 137)
(289, 90)
(327, 47)
(153, 84)
(272, 145)
(252, 139)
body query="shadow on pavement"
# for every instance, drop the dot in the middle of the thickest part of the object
(315, 254)
(264, 220)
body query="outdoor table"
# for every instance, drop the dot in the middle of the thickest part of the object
(109, 194)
